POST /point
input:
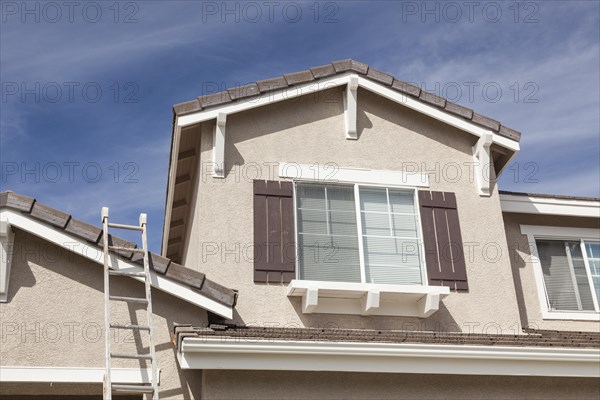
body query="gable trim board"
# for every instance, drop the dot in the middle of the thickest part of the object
(528, 203)
(234, 353)
(73, 374)
(347, 73)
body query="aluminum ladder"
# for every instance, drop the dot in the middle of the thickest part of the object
(109, 386)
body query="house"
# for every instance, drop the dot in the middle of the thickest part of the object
(331, 233)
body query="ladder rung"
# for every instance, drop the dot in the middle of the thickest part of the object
(123, 226)
(126, 249)
(126, 273)
(134, 327)
(132, 388)
(130, 299)
(132, 356)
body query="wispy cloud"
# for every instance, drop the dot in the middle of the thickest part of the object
(174, 51)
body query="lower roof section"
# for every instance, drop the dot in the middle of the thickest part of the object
(60, 228)
(535, 353)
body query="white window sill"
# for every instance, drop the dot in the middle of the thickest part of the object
(571, 316)
(367, 298)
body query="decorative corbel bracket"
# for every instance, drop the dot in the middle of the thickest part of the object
(350, 107)
(219, 146)
(483, 163)
(6, 252)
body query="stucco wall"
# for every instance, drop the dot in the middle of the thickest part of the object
(523, 273)
(310, 130)
(55, 317)
(265, 385)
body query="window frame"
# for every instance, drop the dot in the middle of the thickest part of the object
(564, 234)
(358, 213)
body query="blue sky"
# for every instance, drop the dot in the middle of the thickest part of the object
(87, 91)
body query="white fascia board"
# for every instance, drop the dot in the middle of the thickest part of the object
(74, 374)
(541, 205)
(331, 173)
(264, 99)
(252, 354)
(171, 187)
(96, 254)
(340, 80)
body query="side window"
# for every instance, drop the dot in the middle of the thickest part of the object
(569, 285)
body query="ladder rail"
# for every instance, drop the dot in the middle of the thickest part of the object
(109, 387)
(143, 224)
(107, 377)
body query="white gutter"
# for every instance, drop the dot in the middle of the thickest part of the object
(253, 354)
(549, 206)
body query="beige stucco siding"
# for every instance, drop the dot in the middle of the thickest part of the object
(310, 130)
(265, 385)
(55, 317)
(525, 283)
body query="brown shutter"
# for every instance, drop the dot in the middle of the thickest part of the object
(444, 254)
(274, 234)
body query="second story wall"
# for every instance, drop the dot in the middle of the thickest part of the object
(310, 130)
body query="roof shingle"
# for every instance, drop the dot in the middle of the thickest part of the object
(529, 337)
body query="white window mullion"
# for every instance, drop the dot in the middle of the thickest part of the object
(327, 213)
(389, 208)
(573, 276)
(588, 271)
(361, 250)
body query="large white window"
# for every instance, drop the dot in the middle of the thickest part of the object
(356, 233)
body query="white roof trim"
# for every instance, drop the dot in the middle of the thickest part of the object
(549, 206)
(74, 374)
(340, 80)
(95, 253)
(250, 354)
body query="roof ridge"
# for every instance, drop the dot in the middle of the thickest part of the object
(284, 81)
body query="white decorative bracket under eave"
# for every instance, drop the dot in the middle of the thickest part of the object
(350, 107)
(367, 298)
(219, 146)
(483, 163)
(6, 251)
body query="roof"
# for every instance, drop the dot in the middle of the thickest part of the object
(550, 196)
(256, 89)
(530, 337)
(197, 281)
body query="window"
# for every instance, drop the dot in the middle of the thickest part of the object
(571, 272)
(356, 233)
